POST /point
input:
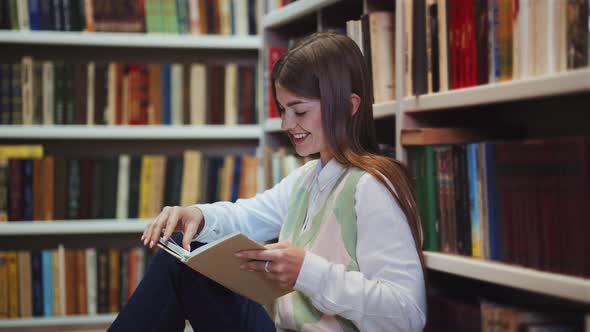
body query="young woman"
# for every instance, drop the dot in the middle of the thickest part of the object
(347, 224)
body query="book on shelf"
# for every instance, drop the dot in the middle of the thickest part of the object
(518, 202)
(115, 93)
(226, 17)
(216, 260)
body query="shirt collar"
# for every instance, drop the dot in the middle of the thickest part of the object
(328, 174)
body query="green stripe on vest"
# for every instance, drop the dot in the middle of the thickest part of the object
(338, 208)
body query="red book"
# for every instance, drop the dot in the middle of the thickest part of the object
(274, 54)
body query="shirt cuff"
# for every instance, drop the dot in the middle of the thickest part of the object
(210, 229)
(313, 270)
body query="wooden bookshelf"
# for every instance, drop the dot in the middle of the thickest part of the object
(568, 82)
(163, 132)
(131, 40)
(558, 285)
(293, 11)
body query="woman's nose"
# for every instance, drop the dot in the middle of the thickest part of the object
(287, 122)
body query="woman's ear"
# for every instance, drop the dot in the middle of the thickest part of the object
(355, 101)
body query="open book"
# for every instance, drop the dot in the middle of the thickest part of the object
(216, 261)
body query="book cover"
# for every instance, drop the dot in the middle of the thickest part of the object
(216, 260)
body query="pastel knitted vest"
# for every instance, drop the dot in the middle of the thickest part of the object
(332, 235)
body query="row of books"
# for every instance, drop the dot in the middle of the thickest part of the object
(451, 44)
(124, 186)
(224, 17)
(66, 281)
(56, 92)
(521, 202)
(454, 313)
(278, 163)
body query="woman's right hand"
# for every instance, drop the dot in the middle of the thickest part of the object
(188, 220)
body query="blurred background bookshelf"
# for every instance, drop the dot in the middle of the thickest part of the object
(489, 76)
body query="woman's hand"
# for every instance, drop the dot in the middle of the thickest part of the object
(279, 261)
(188, 220)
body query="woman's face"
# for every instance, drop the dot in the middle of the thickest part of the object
(302, 120)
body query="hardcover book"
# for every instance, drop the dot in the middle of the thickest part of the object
(216, 260)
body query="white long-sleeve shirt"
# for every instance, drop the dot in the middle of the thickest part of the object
(386, 295)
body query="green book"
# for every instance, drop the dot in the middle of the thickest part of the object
(422, 165)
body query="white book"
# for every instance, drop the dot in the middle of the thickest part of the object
(231, 90)
(176, 89)
(522, 41)
(198, 95)
(23, 14)
(123, 187)
(91, 282)
(240, 17)
(48, 100)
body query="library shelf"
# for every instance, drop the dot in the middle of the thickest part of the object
(81, 226)
(272, 125)
(558, 285)
(130, 40)
(383, 110)
(564, 83)
(102, 132)
(293, 11)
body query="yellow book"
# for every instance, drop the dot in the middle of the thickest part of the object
(144, 186)
(3, 285)
(21, 151)
(12, 274)
(191, 177)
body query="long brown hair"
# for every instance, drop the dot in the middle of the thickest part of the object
(330, 67)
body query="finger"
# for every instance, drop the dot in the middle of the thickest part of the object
(189, 234)
(279, 245)
(254, 265)
(156, 230)
(171, 223)
(260, 254)
(145, 233)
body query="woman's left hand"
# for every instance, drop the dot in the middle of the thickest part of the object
(279, 261)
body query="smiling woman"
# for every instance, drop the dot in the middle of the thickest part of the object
(347, 224)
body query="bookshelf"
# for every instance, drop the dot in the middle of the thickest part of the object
(98, 132)
(561, 84)
(216, 48)
(131, 40)
(546, 105)
(552, 284)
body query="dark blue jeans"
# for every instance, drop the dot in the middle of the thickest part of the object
(171, 292)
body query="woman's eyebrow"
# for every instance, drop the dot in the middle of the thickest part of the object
(295, 102)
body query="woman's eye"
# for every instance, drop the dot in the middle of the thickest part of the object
(299, 113)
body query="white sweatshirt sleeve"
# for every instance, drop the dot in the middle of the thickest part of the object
(259, 217)
(388, 293)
